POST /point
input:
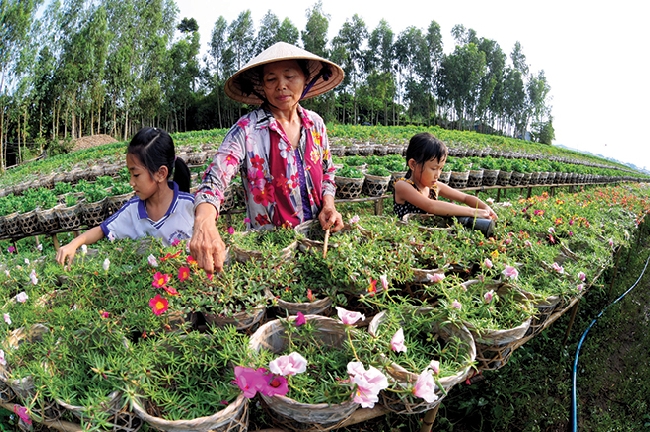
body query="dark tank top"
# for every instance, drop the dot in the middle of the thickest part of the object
(406, 208)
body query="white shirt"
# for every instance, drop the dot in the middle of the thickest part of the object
(131, 221)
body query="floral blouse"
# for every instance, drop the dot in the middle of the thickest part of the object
(258, 148)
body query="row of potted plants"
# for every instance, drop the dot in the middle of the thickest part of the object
(544, 249)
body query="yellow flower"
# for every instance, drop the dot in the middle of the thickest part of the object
(494, 254)
(317, 138)
(315, 155)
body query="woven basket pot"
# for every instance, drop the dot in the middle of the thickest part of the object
(29, 222)
(348, 188)
(43, 409)
(239, 254)
(337, 150)
(475, 178)
(458, 179)
(525, 180)
(229, 196)
(380, 149)
(121, 418)
(48, 220)
(515, 178)
(444, 177)
(394, 176)
(550, 178)
(405, 403)
(318, 307)
(288, 413)
(490, 177)
(11, 224)
(534, 178)
(115, 202)
(545, 308)
(375, 186)
(352, 150)
(541, 179)
(494, 347)
(93, 214)
(504, 178)
(233, 418)
(242, 321)
(366, 149)
(69, 217)
(429, 222)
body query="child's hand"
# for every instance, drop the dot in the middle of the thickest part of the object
(491, 213)
(66, 253)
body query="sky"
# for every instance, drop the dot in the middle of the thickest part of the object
(594, 54)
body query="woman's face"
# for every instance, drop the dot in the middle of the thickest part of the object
(283, 83)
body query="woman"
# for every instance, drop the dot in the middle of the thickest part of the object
(280, 149)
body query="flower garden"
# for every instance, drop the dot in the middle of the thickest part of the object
(390, 317)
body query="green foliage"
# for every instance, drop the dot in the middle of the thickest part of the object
(349, 172)
(378, 170)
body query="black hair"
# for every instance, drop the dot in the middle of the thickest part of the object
(424, 147)
(155, 148)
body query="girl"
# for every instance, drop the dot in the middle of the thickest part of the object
(161, 208)
(418, 192)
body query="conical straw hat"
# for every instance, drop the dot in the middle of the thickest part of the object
(245, 85)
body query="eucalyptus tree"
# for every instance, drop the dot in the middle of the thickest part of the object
(538, 91)
(314, 37)
(490, 101)
(350, 43)
(218, 64)
(16, 19)
(414, 71)
(288, 32)
(515, 101)
(379, 67)
(241, 38)
(268, 33)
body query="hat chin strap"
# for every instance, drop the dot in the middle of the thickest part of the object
(325, 73)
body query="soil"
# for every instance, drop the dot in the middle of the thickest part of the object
(92, 141)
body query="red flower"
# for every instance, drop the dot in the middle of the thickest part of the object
(372, 289)
(170, 290)
(264, 195)
(158, 304)
(262, 219)
(310, 295)
(190, 260)
(257, 162)
(170, 256)
(160, 280)
(183, 274)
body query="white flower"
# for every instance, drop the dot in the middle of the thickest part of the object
(3, 362)
(111, 236)
(7, 273)
(153, 262)
(22, 297)
(39, 247)
(7, 318)
(107, 264)
(84, 249)
(26, 261)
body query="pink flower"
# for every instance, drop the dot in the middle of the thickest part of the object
(287, 365)
(611, 242)
(33, 277)
(384, 281)
(22, 412)
(11, 249)
(158, 304)
(3, 361)
(435, 366)
(582, 276)
(507, 241)
(153, 262)
(488, 263)
(558, 268)
(111, 236)
(159, 280)
(580, 287)
(436, 277)
(310, 295)
(527, 243)
(231, 230)
(488, 296)
(175, 242)
(397, 341)
(456, 304)
(247, 220)
(7, 318)
(250, 380)
(275, 385)
(511, 272)
(425, 386)
(105, 314)
(354, 219)
(349, 317)
(369, 384)
(183, 273)
(300, 319)
(21, 297)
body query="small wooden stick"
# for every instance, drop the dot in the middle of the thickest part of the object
(327, 237)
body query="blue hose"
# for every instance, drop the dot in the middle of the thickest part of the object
(574, 395)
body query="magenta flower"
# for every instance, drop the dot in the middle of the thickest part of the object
(22, 412)
(488, 296)
(456, 304)
(160, 280)
(369, 384)
(247, 220)
(275, 385)
(349, 317)
(425, 386)
(611, 242)
(288, 365)
(436, 277)
(250, 380)
(582, 276)
(175, 242)
(231, 230)
(488, 263)
(11, 249)
(558, 268)
(397, 341)
(300, 319)
(511, 272)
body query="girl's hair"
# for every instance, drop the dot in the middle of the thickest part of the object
(155, 148)
(422, 148)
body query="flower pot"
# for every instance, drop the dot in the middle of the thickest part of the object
(117, 414)
(475, 178)
(29, 222)
(48, 220)
(375, 186)
(515, 178)
(348, 188)
(115, 202)
(244, 320)
(550, 178)
(542, 178)
(69, 217)
(394, 176)
(289, 413)
(444, 177)
(337, 150)
(93, 214)
(380, 150)
(351, 150)
(233, 418)
(317, 307)
(525, 180)
(458, 179)
(534, 178)
(504, 178)
(406, 403)
(366, 149)
(490, 177)
(12, 224)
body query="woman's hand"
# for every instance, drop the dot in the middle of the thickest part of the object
(206, 245)
(329, 217)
